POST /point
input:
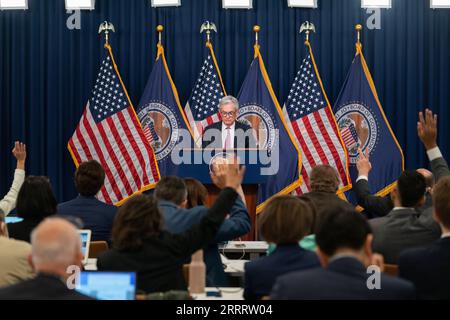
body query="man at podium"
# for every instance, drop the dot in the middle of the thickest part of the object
(229, 133)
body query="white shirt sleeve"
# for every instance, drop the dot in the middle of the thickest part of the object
(362, 178)
(434, 154)
(8, 203)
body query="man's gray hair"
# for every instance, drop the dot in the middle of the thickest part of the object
(54, 242)
(228, 100)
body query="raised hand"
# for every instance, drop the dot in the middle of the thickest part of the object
(20, 153)
(228, 175)
(363, 164)
(427, 129)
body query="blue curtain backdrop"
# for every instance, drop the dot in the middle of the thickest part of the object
(47, 70)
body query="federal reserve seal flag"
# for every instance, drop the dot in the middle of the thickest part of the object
(363, 125)
(261, 110)
(161, 115)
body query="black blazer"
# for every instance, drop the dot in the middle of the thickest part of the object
(440, 168)
(343, 279)
(22, 230)
(216, 142)
(401, 230)
(159, 263)
(375, 206)
(43, 287)
(428, 268)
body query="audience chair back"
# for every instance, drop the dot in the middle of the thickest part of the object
(186, 273)
(97, 247)
(391, 269)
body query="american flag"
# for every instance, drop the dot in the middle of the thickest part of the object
(202, 107)
(350, 136)
(109, 132)
(312, 123)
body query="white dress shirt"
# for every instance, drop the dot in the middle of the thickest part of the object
(8, 203)
(445, 235)
(434, 154)
(224, 135)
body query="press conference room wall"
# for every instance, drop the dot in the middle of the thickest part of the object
(47, 71)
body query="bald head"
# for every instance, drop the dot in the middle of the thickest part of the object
(55, 246)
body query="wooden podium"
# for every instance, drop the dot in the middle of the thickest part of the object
(197, 164)
(251, 196)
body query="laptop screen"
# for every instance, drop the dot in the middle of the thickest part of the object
(85, 237)
(13, 219)
(108, 285)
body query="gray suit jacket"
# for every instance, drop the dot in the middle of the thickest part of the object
(403, 229)
(440, 168)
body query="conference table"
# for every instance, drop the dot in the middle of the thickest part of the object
(220, 294)
(235, 268)
(254, 249)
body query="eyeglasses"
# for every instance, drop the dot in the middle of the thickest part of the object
(228, 114)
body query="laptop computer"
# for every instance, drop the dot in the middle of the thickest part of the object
(85, 237)
(107, 285)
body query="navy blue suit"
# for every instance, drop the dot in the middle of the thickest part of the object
(96, 215)
(343, 279)
(260, 275)
(428, 268)
(178, 220)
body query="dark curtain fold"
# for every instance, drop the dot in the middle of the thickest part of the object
(47, 70)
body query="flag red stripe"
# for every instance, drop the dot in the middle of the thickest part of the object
(306, 178)
(102, 160)
(83, 143)
(331, 147)
(75, 151)
(136, 149)
(83, 122)
(315, 142)
(123, 149)
(343, 160)
(303, 144)
(150, 153)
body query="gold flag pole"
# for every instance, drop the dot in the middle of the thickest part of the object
(358, 29)
(106, 27)
(256, 30)
(160, 30)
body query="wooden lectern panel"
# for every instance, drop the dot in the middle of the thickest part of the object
(251, 194)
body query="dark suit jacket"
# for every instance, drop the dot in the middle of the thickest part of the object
(323, 202)
(179, 220)
(43, 287)
(403, 229)
(159, 262)
(22, 230)
(440, 168)
(96, 215)
(375, 206)
(343, 279)
(260, 275)
(428, 268)
(215, 142)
